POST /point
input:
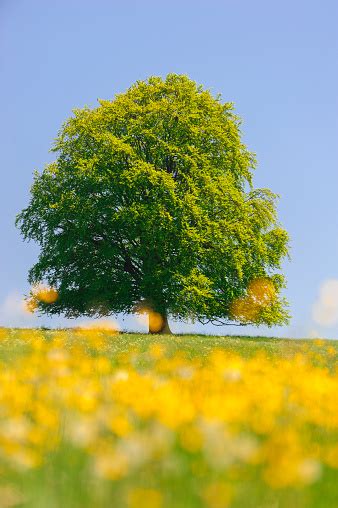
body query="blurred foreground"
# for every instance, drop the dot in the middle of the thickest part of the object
(89, 418)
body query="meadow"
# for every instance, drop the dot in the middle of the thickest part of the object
(92, 418)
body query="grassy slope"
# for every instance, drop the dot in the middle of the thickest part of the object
(198, 344)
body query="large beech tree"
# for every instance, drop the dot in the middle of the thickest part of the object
(150, 204)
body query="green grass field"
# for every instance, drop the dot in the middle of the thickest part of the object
(94, 419)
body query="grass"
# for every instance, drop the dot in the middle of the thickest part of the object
(94, 419)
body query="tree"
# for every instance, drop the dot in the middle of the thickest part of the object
(150, 205)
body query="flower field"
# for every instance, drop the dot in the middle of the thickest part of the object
(89, 418)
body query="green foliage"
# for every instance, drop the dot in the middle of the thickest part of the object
(150, 199)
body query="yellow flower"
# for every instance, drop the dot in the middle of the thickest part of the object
(149, 498)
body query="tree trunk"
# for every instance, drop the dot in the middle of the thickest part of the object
(158, 323)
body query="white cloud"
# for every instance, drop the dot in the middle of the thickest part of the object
(313, 334)
(13, 312)
(325, 309)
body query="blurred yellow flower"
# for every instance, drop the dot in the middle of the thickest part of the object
(149, 498)
(132, 411)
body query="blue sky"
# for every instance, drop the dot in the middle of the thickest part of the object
(277, 61)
